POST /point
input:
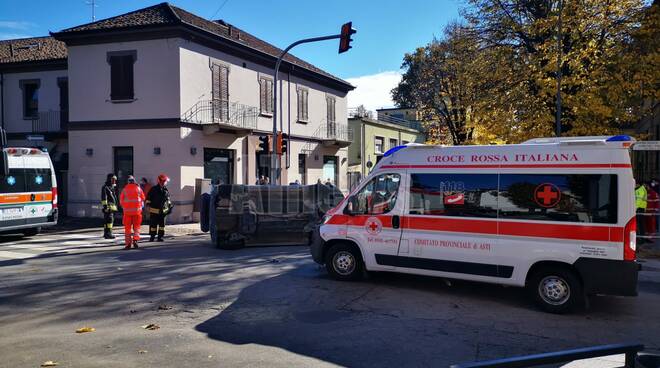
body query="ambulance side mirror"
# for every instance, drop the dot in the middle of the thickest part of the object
(348, 210)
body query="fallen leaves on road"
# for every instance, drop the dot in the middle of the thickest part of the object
(164, 307)
(151, 326)
(85, 329)
(50, 363)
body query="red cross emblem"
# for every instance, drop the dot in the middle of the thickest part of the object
(547, 195)
(373, 225)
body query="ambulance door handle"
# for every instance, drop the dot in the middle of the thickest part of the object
(395, 221)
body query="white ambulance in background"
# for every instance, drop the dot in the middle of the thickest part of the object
(555, 215)
(28, 193)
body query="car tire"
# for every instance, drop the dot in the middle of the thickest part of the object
(344, 262)
(32, 231)
(226, 244)
(556, 290)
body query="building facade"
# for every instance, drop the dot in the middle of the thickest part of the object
(160, 90)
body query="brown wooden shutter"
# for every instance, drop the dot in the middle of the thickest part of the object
(300, 104)
(224, 92)
(115, 77)
(128, 77)
(269, 92)
(215, 82)
(305, 105)
(262, 95)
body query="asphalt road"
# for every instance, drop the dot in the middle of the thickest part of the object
(272, 307)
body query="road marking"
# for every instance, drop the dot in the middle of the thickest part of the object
(16, 255)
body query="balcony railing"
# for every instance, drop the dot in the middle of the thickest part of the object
(339, 132)
(361, 112)
(50, 121)
(224, 113)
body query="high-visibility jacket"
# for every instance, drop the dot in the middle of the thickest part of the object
(109, 198)
(132, 199)
(640, 197)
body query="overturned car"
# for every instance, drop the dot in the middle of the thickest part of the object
(240, 215)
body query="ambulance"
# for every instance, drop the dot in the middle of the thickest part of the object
(554, 215)
(28, 191)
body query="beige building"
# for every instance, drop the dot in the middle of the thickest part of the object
(161, 90)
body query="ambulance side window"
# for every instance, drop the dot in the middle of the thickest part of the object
(14, 182)
(461, 195)
(590, 198)
(378, 196)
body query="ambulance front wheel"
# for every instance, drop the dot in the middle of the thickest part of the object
(556, 290)
(344, 262)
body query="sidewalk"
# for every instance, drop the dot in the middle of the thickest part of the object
(80, 224)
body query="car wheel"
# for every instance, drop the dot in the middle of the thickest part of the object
(344, 262)
(32, 231)
(228, 244)
(556, 290)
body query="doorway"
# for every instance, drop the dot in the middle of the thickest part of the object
(123, 164)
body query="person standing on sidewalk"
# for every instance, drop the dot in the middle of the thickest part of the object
(160, 205)
(109, 203)
(132, 201)
(640, 205)
(652, 209)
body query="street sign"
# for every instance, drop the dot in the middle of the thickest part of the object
(647, 146)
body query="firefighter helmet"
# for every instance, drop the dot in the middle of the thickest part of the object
(163, 179)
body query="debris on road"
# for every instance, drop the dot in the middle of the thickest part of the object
(85, 329)
(50, 363)
(142, 351)
(164, 307)
(151, 327)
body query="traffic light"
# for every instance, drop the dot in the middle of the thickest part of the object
(264, 144)
(285, 142)
(345, 39)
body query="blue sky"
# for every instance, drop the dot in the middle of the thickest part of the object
(386, 29)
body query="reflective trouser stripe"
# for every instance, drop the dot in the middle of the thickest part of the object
(104, 202)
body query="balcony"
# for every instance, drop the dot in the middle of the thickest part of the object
(50, 122)
(222, 115)
(334, 134)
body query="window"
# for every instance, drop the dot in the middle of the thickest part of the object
(466, 195)
(38, 180)
(330, 102)
(219, 165)
(378, 143)
(266, 96)
(377, 197)
(220, 92)
(30, 89)
(14, 182)
(393, 142)
(571, 198)
(303, 105)
(302, 168)
(121, 75)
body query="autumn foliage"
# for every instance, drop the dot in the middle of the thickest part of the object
(492, 76)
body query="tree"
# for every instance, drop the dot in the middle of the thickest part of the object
(498, 69)
(435, 83)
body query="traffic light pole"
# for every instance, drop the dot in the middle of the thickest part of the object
(274, 163)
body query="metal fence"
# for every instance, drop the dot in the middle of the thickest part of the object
(222, 112)
(340, 132)
(50, 121)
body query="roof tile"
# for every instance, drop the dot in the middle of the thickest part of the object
(31, 49)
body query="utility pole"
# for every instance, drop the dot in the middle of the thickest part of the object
(344, 45)
(559, 57)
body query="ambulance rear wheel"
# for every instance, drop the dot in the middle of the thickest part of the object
(344, 262)
(556, 290)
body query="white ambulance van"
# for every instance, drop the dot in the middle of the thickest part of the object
(28, 193)
(555, 215)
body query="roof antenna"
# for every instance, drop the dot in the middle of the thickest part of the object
(92, 4)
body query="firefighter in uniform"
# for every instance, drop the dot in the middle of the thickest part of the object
(109, 203)
(160, 205)
(132, 201)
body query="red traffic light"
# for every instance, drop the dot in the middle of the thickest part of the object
(345, 39)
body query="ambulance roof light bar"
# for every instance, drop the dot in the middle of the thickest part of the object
(589, 140)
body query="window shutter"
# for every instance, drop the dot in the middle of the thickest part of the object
(262, 95)
(215, 82)
(300, 102)
(305, 105)
(224, 92)
(269, 97)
